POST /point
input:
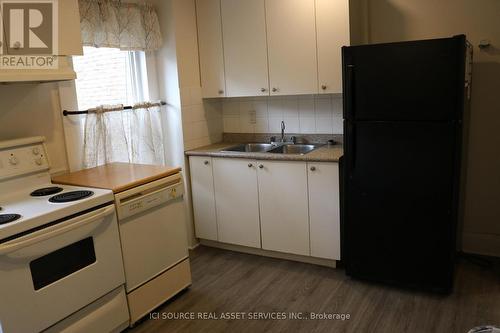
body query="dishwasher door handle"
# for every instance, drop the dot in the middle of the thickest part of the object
(141, 196)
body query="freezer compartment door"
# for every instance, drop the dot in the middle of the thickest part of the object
(418, 80)
(398, 218)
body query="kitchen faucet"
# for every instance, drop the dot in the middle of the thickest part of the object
(293, 139)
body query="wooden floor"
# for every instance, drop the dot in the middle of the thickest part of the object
(225, 281)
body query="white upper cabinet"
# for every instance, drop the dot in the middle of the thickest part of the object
(271, 47)
(70, 38)
(332, 26)
(237, 201)
(245, 48)
(69, 43)
(210, 48)
(291, 38)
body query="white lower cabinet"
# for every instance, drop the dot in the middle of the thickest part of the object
(202, 188)
(324, 210)
(237, 201)
(283, 204)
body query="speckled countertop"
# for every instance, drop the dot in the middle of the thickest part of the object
(325, 153)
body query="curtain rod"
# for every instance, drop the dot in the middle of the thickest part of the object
(128, 107)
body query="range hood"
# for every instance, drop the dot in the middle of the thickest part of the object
(64, 72)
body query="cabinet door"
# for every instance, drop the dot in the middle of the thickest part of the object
(283, 205)
(245, 49)
(324, 210)
(332, 26)
(210, 48)
(291, 37)
(202, 188)
(70, 36)
(237, 201)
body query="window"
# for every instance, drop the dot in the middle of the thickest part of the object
(109, 76)
(63, 262)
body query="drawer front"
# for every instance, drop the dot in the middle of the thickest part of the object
(163, 287)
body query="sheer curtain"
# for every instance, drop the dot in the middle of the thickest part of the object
(112, 134)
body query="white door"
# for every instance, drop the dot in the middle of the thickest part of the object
(245, 48)
(210, 48)
(324, 210)
(291, 37)
(283, 206)
(156, 230)
(332, 26)
(202, 189)
(237, 199)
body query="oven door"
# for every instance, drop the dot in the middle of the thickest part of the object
(49, 274)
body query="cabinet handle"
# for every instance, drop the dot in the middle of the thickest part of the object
(323, 87)
(263, 89)
(261, 166)
(275, 89)
(221, 92)
(313, 168)
(206, 162)
(250, 165)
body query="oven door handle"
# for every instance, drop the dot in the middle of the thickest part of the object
(53, 231)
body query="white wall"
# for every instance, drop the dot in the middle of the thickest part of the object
(189, 122)
(201, 122)
(201, 119)
(33, 110)
(396, 20)
(305, 114)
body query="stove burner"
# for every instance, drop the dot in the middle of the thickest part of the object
(7, 218)
(41, 192)
(70, 196)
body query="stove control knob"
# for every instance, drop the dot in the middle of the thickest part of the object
(13, 160)
(38, 161)
(36, 151)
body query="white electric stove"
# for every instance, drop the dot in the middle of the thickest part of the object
(60, 257)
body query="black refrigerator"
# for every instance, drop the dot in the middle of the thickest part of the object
(404, 107)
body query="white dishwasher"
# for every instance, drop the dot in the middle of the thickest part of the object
(154, 243)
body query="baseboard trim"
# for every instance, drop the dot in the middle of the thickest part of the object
(272, 254)
(483, 244)
(191, 248)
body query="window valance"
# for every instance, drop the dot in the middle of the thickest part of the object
(118, 24)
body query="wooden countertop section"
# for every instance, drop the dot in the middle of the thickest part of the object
(117, 177)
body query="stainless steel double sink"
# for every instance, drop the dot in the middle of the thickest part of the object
(300, 149)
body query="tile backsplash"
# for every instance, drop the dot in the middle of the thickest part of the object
(201, 119)
(306, 114)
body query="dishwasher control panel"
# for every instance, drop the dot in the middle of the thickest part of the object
(149, 198)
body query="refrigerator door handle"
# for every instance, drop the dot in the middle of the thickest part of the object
(351, 148)
(349, 92)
